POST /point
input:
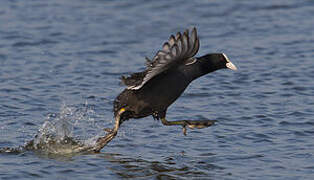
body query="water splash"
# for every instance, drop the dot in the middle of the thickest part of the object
(68, 132)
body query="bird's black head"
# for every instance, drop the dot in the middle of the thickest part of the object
(218, 61)
(213, 62)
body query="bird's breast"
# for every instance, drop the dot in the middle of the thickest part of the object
(155, 96)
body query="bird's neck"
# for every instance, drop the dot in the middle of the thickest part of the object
(202, 67)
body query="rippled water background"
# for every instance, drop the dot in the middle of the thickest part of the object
(58, 54)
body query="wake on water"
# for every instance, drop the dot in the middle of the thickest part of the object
(66, 133)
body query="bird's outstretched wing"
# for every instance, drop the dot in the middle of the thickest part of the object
(175, 51)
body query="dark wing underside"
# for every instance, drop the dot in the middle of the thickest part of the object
(176, 51)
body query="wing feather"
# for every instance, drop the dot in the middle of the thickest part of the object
(172, 40)
(194, 42)
(185, 45)
(176, 51)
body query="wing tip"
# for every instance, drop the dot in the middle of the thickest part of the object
(194, 29)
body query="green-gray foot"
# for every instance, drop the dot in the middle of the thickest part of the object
(190, 124)
(199, 124)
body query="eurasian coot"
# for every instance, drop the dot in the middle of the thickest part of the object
(167, 75)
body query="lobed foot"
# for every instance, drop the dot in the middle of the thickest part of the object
(190, 124)
(199, 124)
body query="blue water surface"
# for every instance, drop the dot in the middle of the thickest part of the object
(57, 54)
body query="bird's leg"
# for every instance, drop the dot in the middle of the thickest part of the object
(187, 123)
(103, 141)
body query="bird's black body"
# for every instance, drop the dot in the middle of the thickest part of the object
(166, 77)
(161, 91)
(153, 98)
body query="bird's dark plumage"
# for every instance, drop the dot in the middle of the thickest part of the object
(177, 50)
(166, 77)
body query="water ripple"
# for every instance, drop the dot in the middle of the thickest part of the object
(38, 43)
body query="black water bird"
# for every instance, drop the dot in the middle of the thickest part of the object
(167, 75)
